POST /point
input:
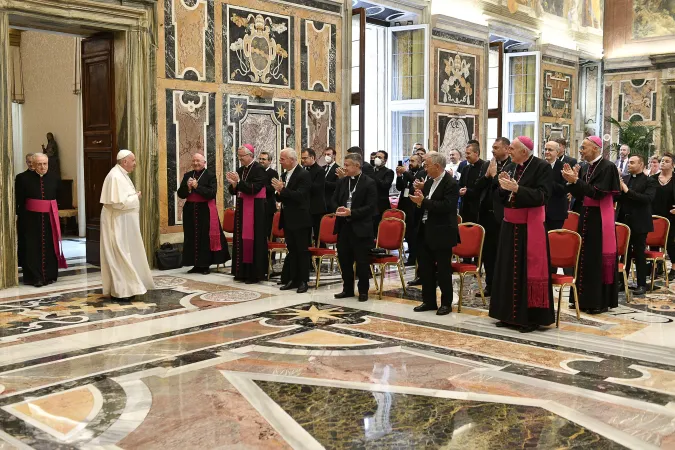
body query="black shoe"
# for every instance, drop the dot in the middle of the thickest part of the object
(640, 291)
(251, 281)
(597, 310)
(528, 328)
(486, 292)
(288, 286)
(410, 264)
(344, 295)
(416, 282)
(572, 305)
(501, 324)
(205, 271)
(194, 270)
(280, 283)
(671, 274)
(302, 288)
(444, 310)
(363, 297)
(40, 284)
(424, 307)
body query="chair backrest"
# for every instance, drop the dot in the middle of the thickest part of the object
(471, 236)
(622, 240)
(395, 213)
(390, 234)
(572, 221)
(459, 219)
(659, 236)
(326, 228)
(565, 246)
(276, 231)
(228, 220)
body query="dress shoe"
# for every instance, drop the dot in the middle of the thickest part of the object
(288, 286)
(671, 274)
(363, 297)
(416, 282)
(40, 284)
(251, 281)
(501, 324)
(528, 328)
(444, 310)
(281, 283)
(205, 271)
(344, 295)
(424, 307)
(640, 291)
(597, 311)
(194, 270)
(302, 288)
(486, 292)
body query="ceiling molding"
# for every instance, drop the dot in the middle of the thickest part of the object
(459, 26)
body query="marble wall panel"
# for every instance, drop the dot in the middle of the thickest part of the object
(638, 98)
(454, 132)
(608, 103)
(552, 131)
(189, 39)
(190, 128)
(257, 47)
(456, 77)
(318, 125)
(592, 77)
(317, 56)
(557, 95)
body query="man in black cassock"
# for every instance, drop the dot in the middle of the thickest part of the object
(596, 184)
(331, 178)
(20, 207)
(470, 201)
(204, 243)
(405, 184)
(249, 250)
(384, 178)
(265, 160)
(317, 193)
(522, 295)
(37, 191)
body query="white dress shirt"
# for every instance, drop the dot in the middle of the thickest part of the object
(434, 185)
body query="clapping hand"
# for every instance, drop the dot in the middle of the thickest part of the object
(507, 183)
(192, 183)
(622, 185)
(232, 178)
(462, 192)
(340, 172)
(343, 212)
(418, 185)
(492, 169)
(450, 172)
(570, 175)
(418, 198)
(277, 184)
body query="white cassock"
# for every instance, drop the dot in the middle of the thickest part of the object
(124, 266)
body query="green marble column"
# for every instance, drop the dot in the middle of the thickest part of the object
(8, 259)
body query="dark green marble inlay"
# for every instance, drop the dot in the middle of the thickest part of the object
(349, 418)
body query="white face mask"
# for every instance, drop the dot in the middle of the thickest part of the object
(328, 159)
(378, 162)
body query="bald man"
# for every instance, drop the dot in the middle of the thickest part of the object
(558, 204)
(204, 243)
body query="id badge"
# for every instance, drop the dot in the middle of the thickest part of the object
(406, 192)
(349, 203)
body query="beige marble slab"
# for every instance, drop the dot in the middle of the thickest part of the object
(322, 338)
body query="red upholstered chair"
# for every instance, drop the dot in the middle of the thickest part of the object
(326, 236)
(272, 245)
(658, 238)
(390, 235)
(572, 221)
(395, 213)
(622, 240)
(471, 236)
(565, 246)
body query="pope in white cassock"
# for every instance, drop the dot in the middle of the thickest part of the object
(124, 266)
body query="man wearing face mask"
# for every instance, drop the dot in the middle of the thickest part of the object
(366, 168)
(331, 178)
(405, 185)
(384, 178)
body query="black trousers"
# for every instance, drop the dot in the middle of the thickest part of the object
(296, 264)
(636, 251)
(411, 238)
(316, 224)
(492, 229)
(554, 224)
(350, 249)
(434, 267)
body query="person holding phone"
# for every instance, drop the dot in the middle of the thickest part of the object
(405, 180)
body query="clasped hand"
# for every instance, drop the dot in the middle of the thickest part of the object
(192, 183)
(277, 184)
(343, 212)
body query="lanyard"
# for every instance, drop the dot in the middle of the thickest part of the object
(351, 191)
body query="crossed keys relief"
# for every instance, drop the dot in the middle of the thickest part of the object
(260, 56)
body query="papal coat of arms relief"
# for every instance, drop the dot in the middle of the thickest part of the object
(456, 74)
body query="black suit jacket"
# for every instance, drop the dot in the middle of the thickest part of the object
(634, 208)
(364, 202)
(331, 180)
(403, 182)
(294, 198)
(384, 178)
(440, 229)
(367, 169)
(271, 206)
(566, 159)
(317, 197)
(471, 200)
(557, 206)
(489, 191)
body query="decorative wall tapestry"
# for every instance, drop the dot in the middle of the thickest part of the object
(553, 131)
(318, 126)
(257, 48)
(190, 128)
(638, 98)
(456, 78)
(454, 132)
(557, 95)
(653, 18)
(189, 39)
(317, 56)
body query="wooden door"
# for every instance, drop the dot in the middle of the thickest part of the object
(98, 115)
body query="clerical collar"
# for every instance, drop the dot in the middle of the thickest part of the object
(596, 159)
(249, 166)
(633, 175)
(356, 177)
(268, 168)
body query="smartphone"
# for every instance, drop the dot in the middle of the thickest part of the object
(400, 163)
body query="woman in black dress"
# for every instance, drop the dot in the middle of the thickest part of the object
(664, 202)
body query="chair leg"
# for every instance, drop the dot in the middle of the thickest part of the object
(400, 274)
(625, 286)
(653, 273)
(480, 288)
(318, 273)
(665, 272)
(461, 287)
(383, 267)
(372, 272)
(557, 320)
(337, 261)
(576, 300)
(269, 265)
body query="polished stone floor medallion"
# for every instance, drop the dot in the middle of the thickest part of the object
(231, 296)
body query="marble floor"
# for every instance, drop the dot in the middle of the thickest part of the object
(204, 362)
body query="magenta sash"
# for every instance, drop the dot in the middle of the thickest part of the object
(50, 206)
(537, 256)
(248, 220)
(606, 205)
(214, 221)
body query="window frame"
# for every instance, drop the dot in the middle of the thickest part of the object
(533, 116)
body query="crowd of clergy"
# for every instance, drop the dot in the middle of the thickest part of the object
(515, 197)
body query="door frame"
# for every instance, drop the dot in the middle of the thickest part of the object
(136, 21)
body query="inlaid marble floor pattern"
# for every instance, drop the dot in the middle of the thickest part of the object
(204, 362)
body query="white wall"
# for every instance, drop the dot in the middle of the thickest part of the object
(51, 106)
